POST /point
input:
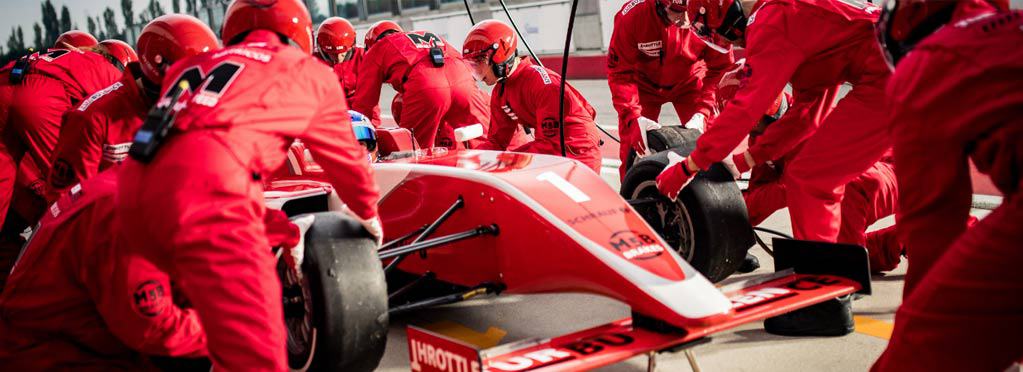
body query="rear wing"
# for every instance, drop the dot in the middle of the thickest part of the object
(835, 270)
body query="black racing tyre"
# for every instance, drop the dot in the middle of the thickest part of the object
(336, 314)
(680, 138)
(708, 226)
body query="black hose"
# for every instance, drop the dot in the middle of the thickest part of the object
(564, 75)
(516, 27)
(773, 232)
(608, 134)
(469, 12)
(763, 245)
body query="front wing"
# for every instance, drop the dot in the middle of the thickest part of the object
(610, 343)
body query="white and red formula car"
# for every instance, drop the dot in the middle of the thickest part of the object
(468, 223)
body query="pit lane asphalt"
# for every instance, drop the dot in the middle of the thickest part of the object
(504, 319)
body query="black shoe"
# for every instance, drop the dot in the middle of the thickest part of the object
(749, 264)
(828, 318)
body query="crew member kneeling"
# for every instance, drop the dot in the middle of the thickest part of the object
(80, 296)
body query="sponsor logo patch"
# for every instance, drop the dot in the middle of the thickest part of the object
(532, 360)
(117, 152)
(99, 94)
(597, 215)
(759, 297)
(549, 127)
(635, 245)
(630, 5)
(652, 48)
(543, 74)
(425, 40)
(150, 298)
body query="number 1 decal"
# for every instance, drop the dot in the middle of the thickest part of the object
(564, 186)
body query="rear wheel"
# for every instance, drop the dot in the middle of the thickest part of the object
(707, 225)
(335, 310)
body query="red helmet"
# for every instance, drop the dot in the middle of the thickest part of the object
(677, 6)
(379, 30)
(76, 39)
(713, 20)
(288, 18)
(171, 38)
(904, 23)
(334, 38)
(121, 53)
(493, 40)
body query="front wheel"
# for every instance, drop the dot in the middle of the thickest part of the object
(335, 310)
(707, 225)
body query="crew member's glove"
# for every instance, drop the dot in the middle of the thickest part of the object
(635, 136)
(698, 122)
(372, 225)
(743, 162)
(295, 254)
(280, 231)
(675, 176)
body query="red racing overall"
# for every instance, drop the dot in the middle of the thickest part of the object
(962, 308)
(96, 135)
(650, 63)
(54, 83)
(198, 205)
(80, 298)
(530, 97)
(435, 100)
(816, 45)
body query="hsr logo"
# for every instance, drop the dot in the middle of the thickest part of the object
(635, 245)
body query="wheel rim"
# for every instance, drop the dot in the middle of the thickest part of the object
(672, 220)
(302, 334)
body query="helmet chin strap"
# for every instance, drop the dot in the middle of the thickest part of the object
(733, 27)
(503, 69)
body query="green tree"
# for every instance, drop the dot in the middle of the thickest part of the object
(91, 26)
(208, 4)
(129, 16)
(110, 23)
(314, 11)
(65, 19)
(37, 39)
(50, 22)
(153, 10)
(16, 42)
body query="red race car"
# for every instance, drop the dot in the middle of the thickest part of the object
(469, 223)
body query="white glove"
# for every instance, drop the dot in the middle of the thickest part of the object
(297, 253)
(698, 122)
(645, 125)
(373, 225)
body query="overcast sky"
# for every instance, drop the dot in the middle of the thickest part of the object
(24, 13)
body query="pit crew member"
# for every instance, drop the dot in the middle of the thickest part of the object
(961, 309)
(529, 95)
(96, 135)
(652, 60)
(816, 46)
(437, 88)
(80, 296)
(196, 195)
(43, 87)
(868, 198)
